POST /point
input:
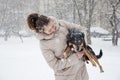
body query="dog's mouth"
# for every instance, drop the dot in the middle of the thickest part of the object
(80, 49)
(77, 48)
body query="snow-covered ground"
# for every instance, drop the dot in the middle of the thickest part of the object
(99, 30)
(24, 61)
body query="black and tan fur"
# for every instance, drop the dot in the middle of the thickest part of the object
(76, 38)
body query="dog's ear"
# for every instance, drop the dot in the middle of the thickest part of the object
(83, 34)
(70, 31)
(84, 43)
(69, 35)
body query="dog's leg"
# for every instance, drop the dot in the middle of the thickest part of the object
(84, 59)
(90, 57)
(67, 51)
(96, 60)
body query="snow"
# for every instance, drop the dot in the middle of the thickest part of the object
(24, 61)
(99, 30)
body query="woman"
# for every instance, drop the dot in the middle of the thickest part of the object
(52, 36)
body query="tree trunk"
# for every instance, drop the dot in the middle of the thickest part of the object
(113, 22)
(88, 36)
(115, 37)
(78, 11)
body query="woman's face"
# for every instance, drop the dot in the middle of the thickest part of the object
(50, 28)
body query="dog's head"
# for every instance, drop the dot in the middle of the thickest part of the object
(75, 38)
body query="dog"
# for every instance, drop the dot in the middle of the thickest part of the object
(76, 43)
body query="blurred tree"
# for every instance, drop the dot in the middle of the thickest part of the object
(13, 15)
(85, 10)
(114, 21)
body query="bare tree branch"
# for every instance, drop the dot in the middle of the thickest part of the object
(79, 14)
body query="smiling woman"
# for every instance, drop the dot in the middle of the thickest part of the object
(41, 24)
(52, 33)
(37, 22)
(50, 28)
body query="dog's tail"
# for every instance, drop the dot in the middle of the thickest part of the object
(100, 54)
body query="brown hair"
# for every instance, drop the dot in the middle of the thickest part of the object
(36, 22)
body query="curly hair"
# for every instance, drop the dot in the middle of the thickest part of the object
(36, 22)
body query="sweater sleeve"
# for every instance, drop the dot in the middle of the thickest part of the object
(56, 63)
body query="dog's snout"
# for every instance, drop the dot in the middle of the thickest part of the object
(80, 49)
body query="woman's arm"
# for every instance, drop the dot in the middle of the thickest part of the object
(59, 64)
(69, 25)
